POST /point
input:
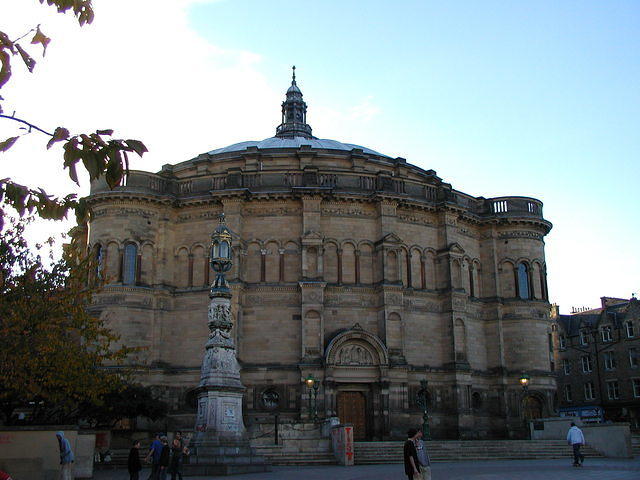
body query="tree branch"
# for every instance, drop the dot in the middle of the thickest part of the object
(30, 125)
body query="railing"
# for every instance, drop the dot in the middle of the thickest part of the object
(219, 183)
(513, 206)
(293, 179)
(141, 182)
(367, 183)
(185, 187)
(251, 180)
(327, 180)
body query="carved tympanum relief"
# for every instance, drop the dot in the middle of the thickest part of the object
(354, 354)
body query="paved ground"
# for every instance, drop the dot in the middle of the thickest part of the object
(600, 469)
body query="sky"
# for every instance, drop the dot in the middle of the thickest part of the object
(533, 98)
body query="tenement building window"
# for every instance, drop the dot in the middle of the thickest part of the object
(566, 366)
(606, 334)
(613, 392)
(584, 337)
(568, 396)
(636, 387)
(634, 361)
(629, 329)
(589, 391)
(609, 360)
(586, 364)
(563, 342)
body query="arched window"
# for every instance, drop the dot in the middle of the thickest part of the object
(543, 283)
(524, 291)
(99, 262)
(129, 266)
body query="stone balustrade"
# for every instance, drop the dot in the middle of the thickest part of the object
(288, 180)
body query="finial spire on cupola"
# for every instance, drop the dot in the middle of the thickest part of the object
(294, 113)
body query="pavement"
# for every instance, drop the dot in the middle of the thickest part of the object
(600, 469)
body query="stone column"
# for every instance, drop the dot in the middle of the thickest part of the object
(220, 444)
(220, 389)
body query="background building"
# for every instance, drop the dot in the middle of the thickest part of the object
(363, 270)
(597, 358)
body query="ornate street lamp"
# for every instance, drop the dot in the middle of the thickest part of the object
(220, 254)
(421, 400)
(524, 382)
(220, 390)
(313, 387)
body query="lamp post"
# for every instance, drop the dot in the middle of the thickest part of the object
(220, 390)
(313, 387)
(421, 400)
(524, 382)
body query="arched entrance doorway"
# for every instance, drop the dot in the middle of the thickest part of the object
(356, 382)
(531, 407)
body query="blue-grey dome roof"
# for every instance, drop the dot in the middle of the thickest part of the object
(294, 142)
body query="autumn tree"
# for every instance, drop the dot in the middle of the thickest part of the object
(55, 356)
(97, 152)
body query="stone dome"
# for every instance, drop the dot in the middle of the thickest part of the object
(295, 143)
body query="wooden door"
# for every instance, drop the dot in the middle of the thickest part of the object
(352, 409)
(532, 408)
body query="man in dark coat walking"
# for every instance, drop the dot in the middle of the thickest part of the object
(133, 463)
(411, 462)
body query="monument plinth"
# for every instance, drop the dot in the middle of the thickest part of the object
(220, 443)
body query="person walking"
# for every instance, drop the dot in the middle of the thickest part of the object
(423, 456)
(575, 438)
(165, 456)
(178, 449)
(176, 457)
(133, 463)
(411, 462)
(154, 457)
(66, 457)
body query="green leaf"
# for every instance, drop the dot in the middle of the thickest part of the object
(26, 58)
(59, 134)
(73, 174)
(5, 42)
(7, 144)
(137, 146)
(5, 67)
(42, 39)
(114, 171)
(92, 164)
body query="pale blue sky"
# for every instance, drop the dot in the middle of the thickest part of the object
(519, 97)
(536, 98)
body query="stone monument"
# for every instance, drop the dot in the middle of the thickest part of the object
(220, 443)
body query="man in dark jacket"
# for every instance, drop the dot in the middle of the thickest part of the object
(133, 464)
(164, 457)
(411, 462)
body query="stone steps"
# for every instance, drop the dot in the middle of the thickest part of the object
(635, 445)
(448, 451)
(391, 452)
(277, 456)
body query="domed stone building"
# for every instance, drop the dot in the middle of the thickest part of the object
(367, 272)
